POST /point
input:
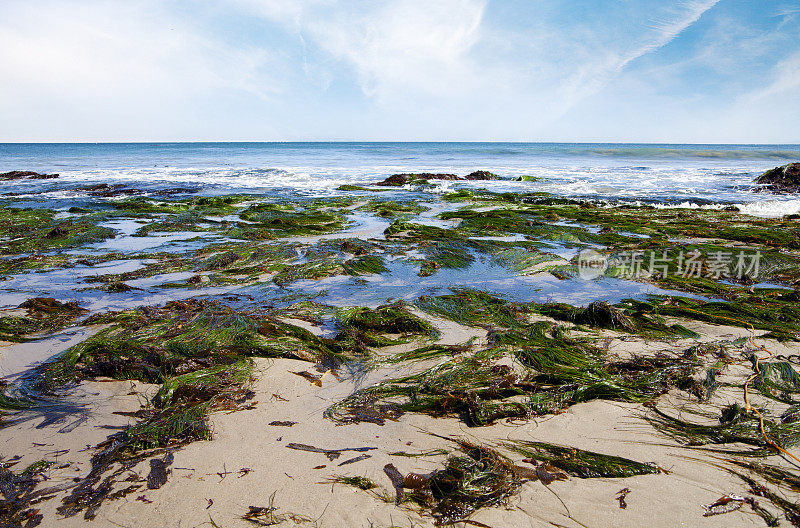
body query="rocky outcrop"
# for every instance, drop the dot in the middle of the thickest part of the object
(108, 191)
(25, 175)
(481, 175)
(785, 179)
(396, 180)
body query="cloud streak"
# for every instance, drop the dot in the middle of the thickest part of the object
(384, 69)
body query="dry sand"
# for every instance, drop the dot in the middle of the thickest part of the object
(248, 461)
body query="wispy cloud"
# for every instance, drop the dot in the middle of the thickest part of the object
(785, 79)
(134, 49)
(392, 46)
(606, 64)
(383, 69)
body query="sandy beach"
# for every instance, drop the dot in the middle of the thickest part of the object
(285, 362)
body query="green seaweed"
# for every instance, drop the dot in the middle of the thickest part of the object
(581, 463)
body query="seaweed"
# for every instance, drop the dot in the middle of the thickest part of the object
(474, 307)
(580, 463)
(37, 230)
(736, 426)
(42, 314)
(362, 483)
(387, 319)
(364, 265)
(265, 221)
(598, 314)
(557, 371)
(791, 510)
(361, 328)
(392, 209)
(480, 478)
(778, 314)
(317, 269)
(20, 494)
(200, 354)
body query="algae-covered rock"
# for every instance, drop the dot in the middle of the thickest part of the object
(785, 179)
(397, 180)
(481, 175)
(47, 306)
(25, 175)
(527, 178)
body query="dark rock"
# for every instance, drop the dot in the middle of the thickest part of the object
(105, 190)
(357, 249)
(118, 287)
(159, 472)
(44, 306)
(176, 190)
(482, 175)
(396, 180)
(785, 179)
(57, 232)
(26, 175)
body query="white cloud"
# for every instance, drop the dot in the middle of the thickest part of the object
(600, 66)
(441, 64)
(785, 78)
(393, 46)
(104, 57)
(114, 45)
(380, 69)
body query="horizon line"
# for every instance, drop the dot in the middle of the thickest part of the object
(189, 142)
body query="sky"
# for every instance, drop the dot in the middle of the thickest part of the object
(690, 71)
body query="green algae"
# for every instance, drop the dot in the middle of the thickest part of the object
(37, 230)
(362, 483)
(581, 463)
(365, 265)
(523, 259)
(597, 314)
(265, 221)
(362, 328)
(392, 209)
(479, 478)
(387, 319)
(359, 188)
(779, 313)
(200, 358)
(314, 270)
(43, 314)
(475, 308)
(735, 426)
(199, 352)
(555, 370)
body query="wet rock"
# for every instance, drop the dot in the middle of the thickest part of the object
(785, 179)
(482, 175)
(158, 472)
(357, 248)
(118, 287)
(176, 190)
(57, 232)
(25, 175)
(198, 279)
(105, 190)
(220, 260)
(397, 180)
(43, 306)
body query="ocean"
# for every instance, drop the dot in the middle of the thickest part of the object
(662, 174)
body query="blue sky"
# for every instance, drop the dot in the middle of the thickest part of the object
(481, 70)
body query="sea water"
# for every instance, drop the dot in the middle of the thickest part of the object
(663, 174)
